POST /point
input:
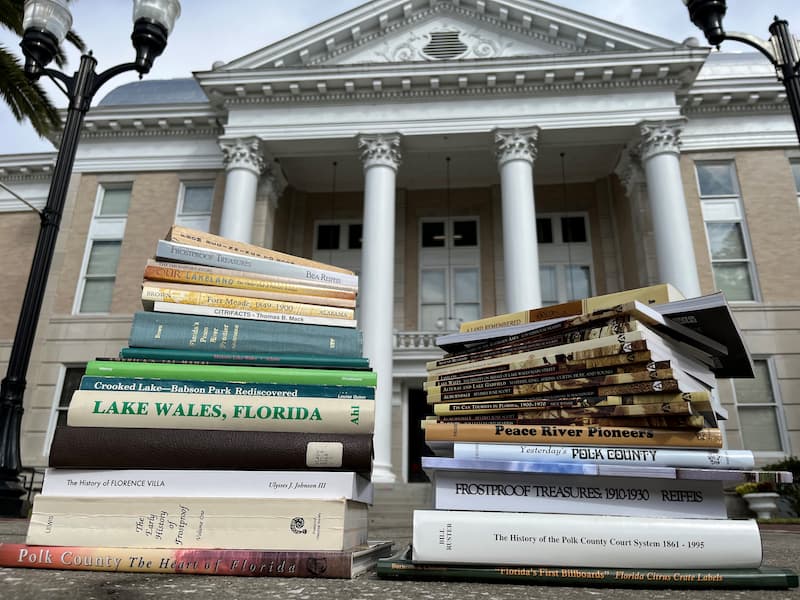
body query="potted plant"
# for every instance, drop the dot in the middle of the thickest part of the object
(761, 497)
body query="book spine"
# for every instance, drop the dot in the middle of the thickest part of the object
(666, 457)
(763, 578)
(567, 494)
(148, 448)
(165, 483)
(570, 434)
(90, 408)
(193, 237)
(250, 315)
(229, 260)
(549, 402)
(174, 386)
(272, 375)
(177, 331)
(240, 523)
(177, 273)
(245, 358)
(245, 563)
(468, 537)
(152, 294)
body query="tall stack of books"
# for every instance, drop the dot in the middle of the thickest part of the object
(232, 436)
(581, 443)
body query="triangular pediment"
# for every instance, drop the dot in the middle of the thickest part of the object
(397, 31)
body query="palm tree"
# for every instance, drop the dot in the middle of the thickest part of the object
(25, 98)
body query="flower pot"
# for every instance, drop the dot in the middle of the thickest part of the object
(764, 504)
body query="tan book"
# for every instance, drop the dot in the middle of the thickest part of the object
(194, 237)
(588, 435)
(184, 522)
(156, 270)
(595, 410)
(152, 294)
(480, 407)
(260, 294)
(654, 421)
(654, 294)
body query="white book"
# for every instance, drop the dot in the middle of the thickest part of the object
(317, 485)
(229, 260)
(702, 459)
(579, 494)
(253, 315)
(476, 537)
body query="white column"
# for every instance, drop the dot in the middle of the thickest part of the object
(380, 155)
(660, 148)
(243, 163)
(516, 151)
(270, 189)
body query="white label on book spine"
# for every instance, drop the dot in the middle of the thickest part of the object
(324, 454)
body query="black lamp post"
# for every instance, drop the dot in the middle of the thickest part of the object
(46, 23)
(781, 49)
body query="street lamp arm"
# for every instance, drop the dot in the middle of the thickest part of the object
(762, 46)
(100, 79)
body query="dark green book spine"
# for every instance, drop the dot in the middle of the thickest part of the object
(284, 375)
(201, 332)
(401, 567)
(246, 358)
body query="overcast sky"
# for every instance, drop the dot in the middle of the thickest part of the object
(210, 30)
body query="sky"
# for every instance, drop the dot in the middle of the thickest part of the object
(210, 30)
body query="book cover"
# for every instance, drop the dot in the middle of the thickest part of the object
(202, 275)
(189, 332)
(183, 295)
(331, 564)
(315, 485)
(183, 522)
(226, 357)
(401, 566)
(521, 539)
(667, 457)
(92, 408)
(220, 258)
(512, 491)
(175, 386)
(148, 448)
(573, 434)
(251, 315)
(203, 239)
(189, 372)
(655, 294)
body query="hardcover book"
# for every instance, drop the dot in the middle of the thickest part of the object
(250, 315)
(523, 539)
(185, 522)
(227, 357)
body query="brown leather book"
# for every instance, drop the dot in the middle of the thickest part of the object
(145, 448)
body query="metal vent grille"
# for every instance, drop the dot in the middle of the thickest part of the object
(444, 45)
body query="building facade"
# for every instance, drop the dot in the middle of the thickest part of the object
(466, 158)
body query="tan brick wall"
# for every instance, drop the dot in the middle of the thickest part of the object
(692, 196)
(18, 234)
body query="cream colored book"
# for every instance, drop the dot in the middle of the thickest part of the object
(185, 522)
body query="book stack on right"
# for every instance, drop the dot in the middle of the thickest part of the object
(582, 444)
(233, 435)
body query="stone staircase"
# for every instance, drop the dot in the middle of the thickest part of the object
(390, 517)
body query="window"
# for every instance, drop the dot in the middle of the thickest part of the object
(565, 258)
(760, 417)
(338, 243)
(449, 283)
(70, 383)
(195, 201)
(796, 173)
(726, 230)
(99, 271)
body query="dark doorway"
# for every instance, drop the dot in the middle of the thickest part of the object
(418, 409)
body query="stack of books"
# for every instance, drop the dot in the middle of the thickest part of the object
(586, 448)
(232, 436)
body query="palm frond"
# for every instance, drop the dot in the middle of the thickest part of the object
(11, 15)
(24, 98)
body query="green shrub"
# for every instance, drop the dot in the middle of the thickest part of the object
(789, 491)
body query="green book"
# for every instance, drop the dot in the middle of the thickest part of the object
(290, 375)
(222, 357)
(202, 332)
(400, 566)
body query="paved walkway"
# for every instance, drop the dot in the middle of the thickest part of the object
(781, 549)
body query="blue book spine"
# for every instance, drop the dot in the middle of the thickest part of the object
(136, 384)
(201, 332)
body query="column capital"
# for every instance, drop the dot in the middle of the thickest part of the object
(380, 149)
(516, 144)
(660, 137)
(629, 167)
(242, 154)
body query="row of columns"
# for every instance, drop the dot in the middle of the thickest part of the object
(655, 154)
